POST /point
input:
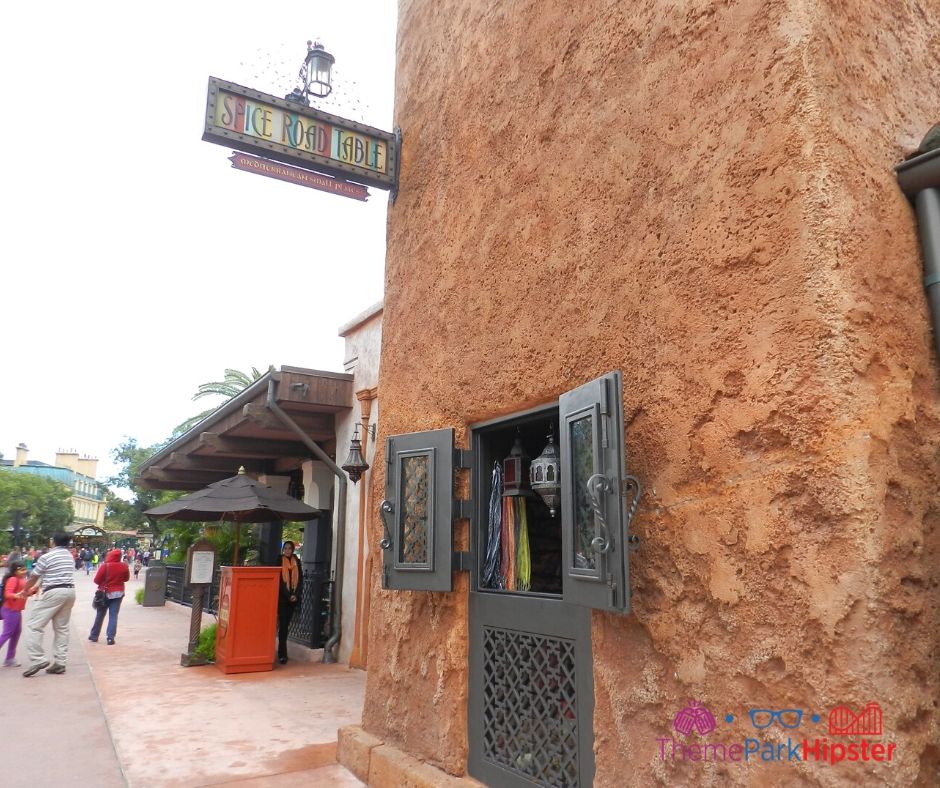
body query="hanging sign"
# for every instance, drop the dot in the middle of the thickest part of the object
(286, 131)
(285, 172)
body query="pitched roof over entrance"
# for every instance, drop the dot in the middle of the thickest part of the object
(245, 432)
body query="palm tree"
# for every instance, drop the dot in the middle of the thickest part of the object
(232, 384)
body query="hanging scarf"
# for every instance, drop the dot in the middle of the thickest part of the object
(524, 559)
(290, 574)
(491, 577)
(507, 562)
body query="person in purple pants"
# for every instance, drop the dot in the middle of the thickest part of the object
(13, 605)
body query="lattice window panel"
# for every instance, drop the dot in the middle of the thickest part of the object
(415, 510)
(530, 706)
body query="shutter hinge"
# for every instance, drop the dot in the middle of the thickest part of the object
(460, 562)
(384, 576)
(463, 510)
(463, 458)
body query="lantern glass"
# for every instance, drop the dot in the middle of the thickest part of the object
(319, 71)
(513, 469)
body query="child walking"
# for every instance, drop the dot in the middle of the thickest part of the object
(13, 583)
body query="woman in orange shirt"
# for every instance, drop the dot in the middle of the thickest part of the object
(292, 582)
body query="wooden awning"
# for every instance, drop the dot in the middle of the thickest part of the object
(245, 432)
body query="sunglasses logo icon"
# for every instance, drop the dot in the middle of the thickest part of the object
(786, 718)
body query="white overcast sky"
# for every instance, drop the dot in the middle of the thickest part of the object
(136, 263)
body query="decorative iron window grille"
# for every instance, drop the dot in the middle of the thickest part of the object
(530, 706)
(415, 510)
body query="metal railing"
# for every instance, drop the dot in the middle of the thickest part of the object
(310, 624)
(177, 591)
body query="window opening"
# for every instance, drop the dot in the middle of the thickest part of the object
(519, 540)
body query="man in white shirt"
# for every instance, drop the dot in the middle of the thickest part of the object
(55, 569)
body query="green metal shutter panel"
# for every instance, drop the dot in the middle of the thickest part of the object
(595, 542)
(418, 511)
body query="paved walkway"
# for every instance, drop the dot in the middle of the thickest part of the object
(130, 715)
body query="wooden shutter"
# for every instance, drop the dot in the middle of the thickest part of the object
(418, 511)
(593, 511)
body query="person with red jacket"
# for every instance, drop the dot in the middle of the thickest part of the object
(13, 605)
(110, 578)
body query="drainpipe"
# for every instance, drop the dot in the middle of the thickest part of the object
(331, 648)
(927, 204)
(358, 657)
(919, 179)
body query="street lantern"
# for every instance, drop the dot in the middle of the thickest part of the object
(318, 70)
(315, 75)
(355, 465)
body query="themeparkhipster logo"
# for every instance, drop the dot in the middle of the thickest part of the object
(851, 737)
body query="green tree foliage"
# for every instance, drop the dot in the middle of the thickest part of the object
(233, 383)
(44, 503)
(221, 535)
(122, 515)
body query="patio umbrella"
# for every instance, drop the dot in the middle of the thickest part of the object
(238, 499)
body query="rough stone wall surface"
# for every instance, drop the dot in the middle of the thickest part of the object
(700, 194)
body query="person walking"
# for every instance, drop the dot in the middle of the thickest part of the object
(86, 560)
(288, 597)
(110, 578)
(13, 583)
(55, 569)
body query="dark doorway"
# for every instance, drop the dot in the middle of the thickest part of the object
(531, 695)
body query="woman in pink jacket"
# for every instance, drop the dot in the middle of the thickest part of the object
(13, 583)
(110, 578)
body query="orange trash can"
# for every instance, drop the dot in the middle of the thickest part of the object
(247, 627)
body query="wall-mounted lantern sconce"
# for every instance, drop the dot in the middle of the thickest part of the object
(355, 464)
(371, 431)
(315, 74)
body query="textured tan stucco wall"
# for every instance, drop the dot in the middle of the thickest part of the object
(700, 194)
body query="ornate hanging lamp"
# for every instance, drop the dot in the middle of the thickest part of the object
(545, 474)
(355, 464)
(514, 469)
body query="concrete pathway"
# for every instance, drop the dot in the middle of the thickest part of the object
(130, 715)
